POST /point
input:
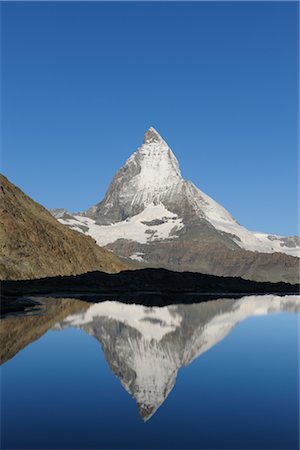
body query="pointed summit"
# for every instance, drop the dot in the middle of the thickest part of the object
(157, 217)
(145, 179)
(152, 136)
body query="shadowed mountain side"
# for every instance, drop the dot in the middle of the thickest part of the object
(146, 286)
(34, 244)
(204, 255)
(18, 332)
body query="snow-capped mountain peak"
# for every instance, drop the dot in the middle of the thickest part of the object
(153, 215)
(147, 178)
(157, 164)
(152, 136)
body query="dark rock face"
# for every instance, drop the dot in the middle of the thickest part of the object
(151, 136)
(213, 255)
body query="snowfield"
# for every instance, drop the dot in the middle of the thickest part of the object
(138, 228)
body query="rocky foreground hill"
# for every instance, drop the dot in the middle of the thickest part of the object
(33, 244)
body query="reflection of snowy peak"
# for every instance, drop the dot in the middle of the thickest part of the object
(130, 336)
(145, 347)
(151, 323)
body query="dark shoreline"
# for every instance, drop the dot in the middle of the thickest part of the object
(149, 287)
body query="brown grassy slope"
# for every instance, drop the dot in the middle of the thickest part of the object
(33, 244)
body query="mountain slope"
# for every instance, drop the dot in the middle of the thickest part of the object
(34, 244)
(152, 215)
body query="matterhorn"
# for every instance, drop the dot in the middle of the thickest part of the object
(152, 216)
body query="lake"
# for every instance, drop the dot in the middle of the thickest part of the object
(222, 374)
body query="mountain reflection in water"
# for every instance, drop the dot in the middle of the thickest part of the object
(144, 346)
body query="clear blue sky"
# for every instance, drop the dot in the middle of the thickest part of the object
(83, 81)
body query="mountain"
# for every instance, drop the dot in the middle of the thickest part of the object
(152, 215)
(34, 244)
(146, 347)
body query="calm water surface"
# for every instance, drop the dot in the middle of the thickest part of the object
(217, 375)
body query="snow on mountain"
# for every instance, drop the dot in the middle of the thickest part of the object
(155, 222)
(158, 171)
(148, 200)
